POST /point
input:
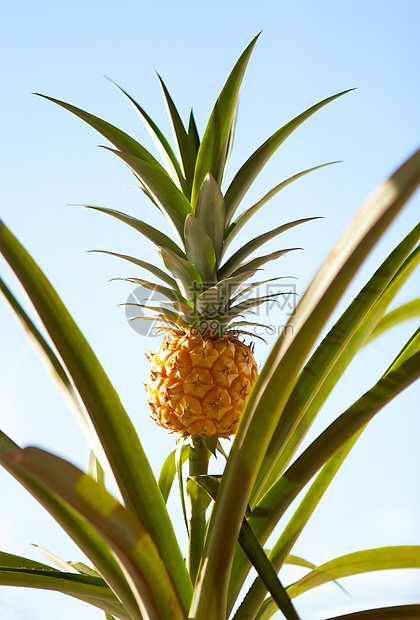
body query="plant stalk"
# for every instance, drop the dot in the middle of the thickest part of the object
(197, 502)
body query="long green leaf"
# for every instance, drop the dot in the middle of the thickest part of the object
(295, 560)
(242, 219)
(161, 188)
(291, 532)
(162, 315)
(237, 259)
(405, 312)
(67, 567)
(199, 248)
(231, 140)
(155, 236)
(76, 527)
(266, 402)
(178, 469)
(273, 505)
(124, 533)
(175, 298)
(328, 282)
(351, 422)
(41, 345)
(10, 561)
(165, 277)
(118, 138)
(266, 572)
(163, 146)
(91, 590)
(247, 289)
(169, 293)
(50, 360)
(246, 305)
(334, 354)
(211, 157)
(121, 452)
(252, 265)
(185, 273)
(398, 612)
(411, 348)
(223, 291)
(385, 558)
(253, 166)
(185, 146)
(168, 471)
(256, 555)
(193, 132)
(210, 211)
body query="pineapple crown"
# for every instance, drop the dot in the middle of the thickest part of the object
(202, 288)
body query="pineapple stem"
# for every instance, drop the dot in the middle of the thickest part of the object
(196, 506)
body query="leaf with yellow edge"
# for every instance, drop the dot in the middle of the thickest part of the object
(384, 558)
(267, 402)
(125, 535)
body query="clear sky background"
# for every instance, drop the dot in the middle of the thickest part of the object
(307, 51)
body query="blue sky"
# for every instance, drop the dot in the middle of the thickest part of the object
(307, 51)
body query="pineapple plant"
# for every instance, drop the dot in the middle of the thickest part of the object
(202, 374)
(204, 385)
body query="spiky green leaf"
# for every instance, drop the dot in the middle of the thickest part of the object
(154, 235)
(193, 132)
(144, 265)
(163, 146)
(118, 138)
(185, 146)
(162, 189)
(238, 258)
(252, 264)
(199, 249)
(211, 157)
(242, 219)
(185, 273)
(210, 211)
(253, 166)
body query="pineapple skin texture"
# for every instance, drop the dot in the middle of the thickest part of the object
(199, 385)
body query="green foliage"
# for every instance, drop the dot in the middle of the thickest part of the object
(138, 571)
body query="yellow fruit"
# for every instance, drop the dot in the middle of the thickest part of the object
(199, 385)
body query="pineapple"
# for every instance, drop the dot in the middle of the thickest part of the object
(199, 385)
(202, 374)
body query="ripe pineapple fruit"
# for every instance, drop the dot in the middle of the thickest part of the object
(202, 373)
(199, 385)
